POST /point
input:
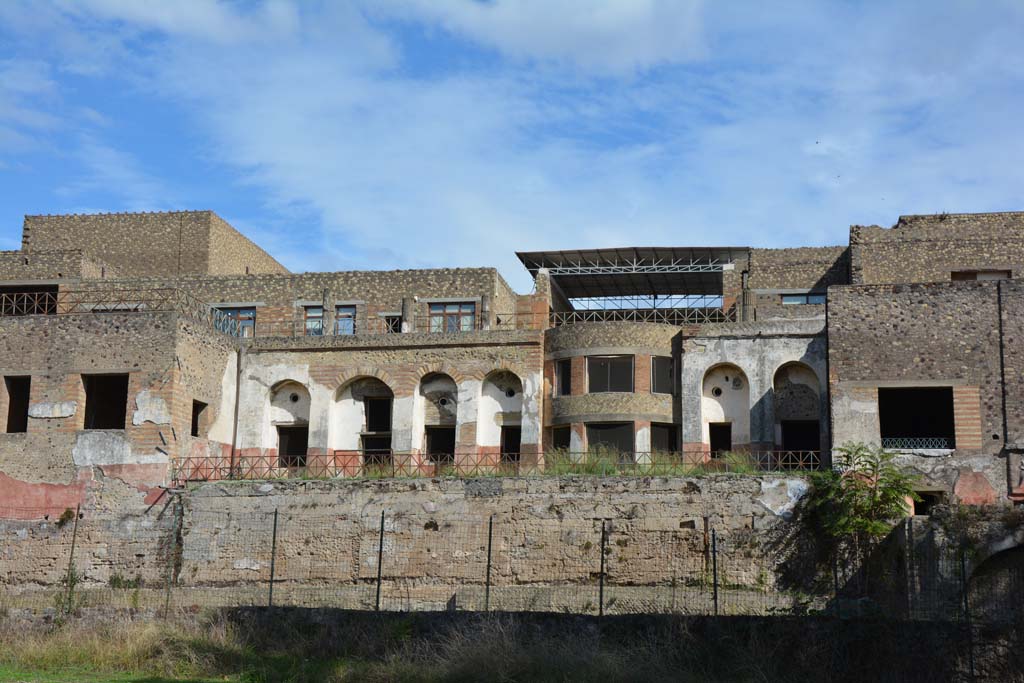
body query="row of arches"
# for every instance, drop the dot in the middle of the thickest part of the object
(796, 407)
(364, 416)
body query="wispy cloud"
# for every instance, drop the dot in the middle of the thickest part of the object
(428, 132)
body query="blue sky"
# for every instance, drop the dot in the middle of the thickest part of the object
(385, 134)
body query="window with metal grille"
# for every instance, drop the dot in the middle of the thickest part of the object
(314, 320)
(344, 320)
(392, 324)
(916, 418)
(452, 317)
(661, 375)
(609, 373)
(244, 318)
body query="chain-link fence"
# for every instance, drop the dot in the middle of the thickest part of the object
(378, 560)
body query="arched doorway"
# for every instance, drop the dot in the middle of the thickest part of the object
(796, 395)
(725, 409)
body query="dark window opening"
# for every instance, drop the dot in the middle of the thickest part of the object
(561, 437)
(17, 403)
(378, 414)
(563, 377)
(292, 444)
(392, 324)
(979, 275)
(197, 416)
(800, 435)
(661, 375)
(720, 434)
(610, 373)
(28, 300)
(664, 438)
(376, 449)
(441, 444)
(917, 418)
(615, 436)
(929, 499)
(511, 438)
(106, 401)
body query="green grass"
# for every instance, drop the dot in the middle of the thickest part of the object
(85, 676)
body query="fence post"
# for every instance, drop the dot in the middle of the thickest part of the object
(71, 580)
(273, 559)
(176, 534)
(487, 584)
(380, 559)
(600, 590)
(714, 568)
(967, 610)
(835, 583)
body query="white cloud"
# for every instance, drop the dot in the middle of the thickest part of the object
(604, 35)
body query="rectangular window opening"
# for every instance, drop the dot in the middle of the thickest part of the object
(561, 437)
(378, 414)
(453, 317)
(661, 375)
(244, 321)
(392, 324)
(800, 435)
(292, 445)
(929, 500)
(664, 438)
(720, 437)
(917, 418)
(563, 377)
(313, 318)
(106, 401)
(18, 389)
(344, 320)
(441, 444)
(609, 373)
(613, 436)
(802, 299)
(511, 438)
(198, 409)
(980, 275)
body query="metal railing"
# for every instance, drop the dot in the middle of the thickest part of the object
(381, 325)
(918, 443)
(477, 463)
(101, 301)
(665, 316)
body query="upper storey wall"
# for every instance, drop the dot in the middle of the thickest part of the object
(929, 248)
(151, 244)
(807, 268)
(16, 266)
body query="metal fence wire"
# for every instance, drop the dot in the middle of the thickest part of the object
(379, 560)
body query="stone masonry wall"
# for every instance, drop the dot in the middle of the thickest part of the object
(814, 268)
(944, 334)
(929, 248)
(50, 265)
(151, 244)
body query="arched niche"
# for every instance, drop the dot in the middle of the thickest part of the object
(439, 402)
(500, 413)
(725, 408)
(362, 417)
(288, 422)
(796, 395)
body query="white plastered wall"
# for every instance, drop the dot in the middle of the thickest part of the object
(732, 405)
(497, 409)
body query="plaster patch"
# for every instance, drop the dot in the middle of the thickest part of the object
(95, 448)
(780, 496)
(56, 409)
(150, 409)
(246, 563)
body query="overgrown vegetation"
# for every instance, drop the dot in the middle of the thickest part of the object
(258, 645)
(858, 501)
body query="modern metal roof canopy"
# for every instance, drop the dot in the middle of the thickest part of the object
(635, 271)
